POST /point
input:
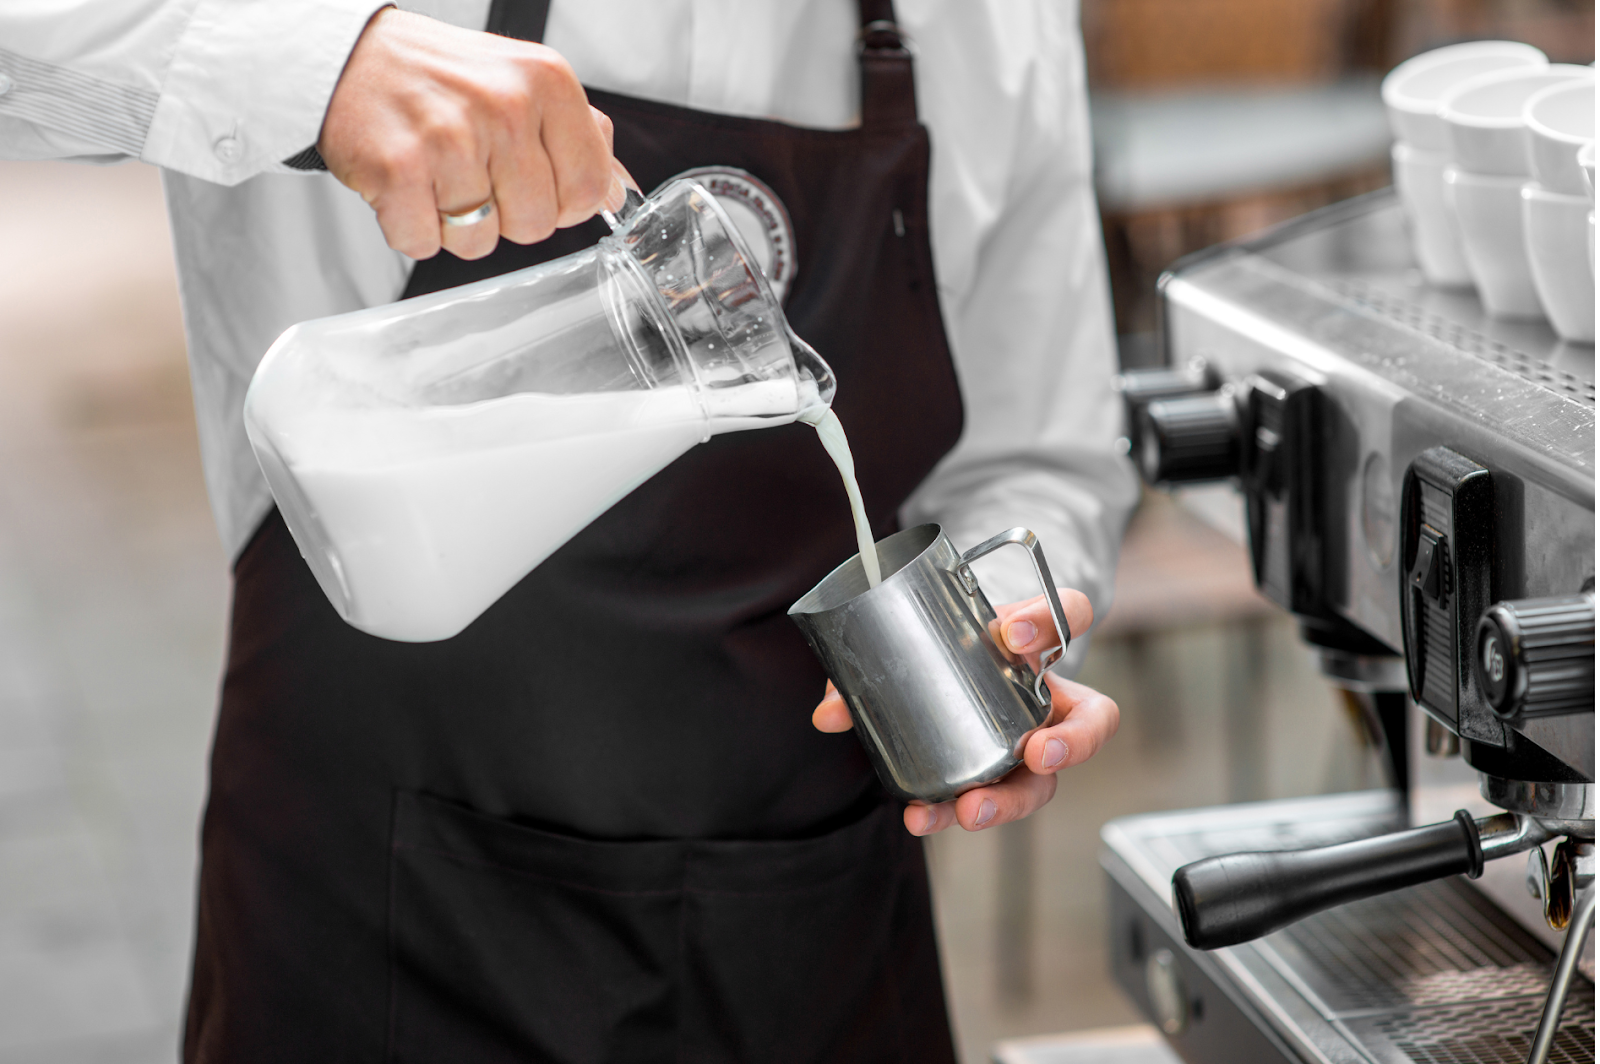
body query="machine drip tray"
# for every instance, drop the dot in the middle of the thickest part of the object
(1434, 974)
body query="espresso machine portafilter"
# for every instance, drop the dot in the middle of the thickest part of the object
(1419, 492)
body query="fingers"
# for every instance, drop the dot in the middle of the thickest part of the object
(620, 178)
(1020, 794)
(407, 209)
(1081, 721)
(525, 188)
(522, 165)
(607, 128)
(429, 119)
(624, 181)
(831, 714)
(924, 819)
(459, 190)
(1028, 629)
(579, 153)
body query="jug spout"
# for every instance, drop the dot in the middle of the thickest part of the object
(816, 381)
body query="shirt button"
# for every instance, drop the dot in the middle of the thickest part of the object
(6, 84)
(228, 149)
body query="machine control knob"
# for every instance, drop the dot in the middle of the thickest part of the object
(1141, 387)
(1190, 438)
(1535, 657)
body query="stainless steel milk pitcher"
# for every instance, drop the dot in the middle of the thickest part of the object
(940, 706)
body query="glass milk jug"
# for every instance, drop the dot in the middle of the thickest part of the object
(428, 454)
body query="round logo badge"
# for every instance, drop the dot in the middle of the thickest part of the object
(761, 217)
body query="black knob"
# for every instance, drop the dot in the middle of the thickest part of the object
(1141, 387)
(1190, 438)
(1535, 657)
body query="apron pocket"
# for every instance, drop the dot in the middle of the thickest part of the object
(813, 950)
(508, 943)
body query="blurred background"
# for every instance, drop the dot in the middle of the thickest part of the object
(1212, 119)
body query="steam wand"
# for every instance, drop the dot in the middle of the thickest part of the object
(1571, 950)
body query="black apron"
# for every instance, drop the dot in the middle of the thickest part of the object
(598, 825)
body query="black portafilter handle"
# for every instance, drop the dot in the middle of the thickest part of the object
(1237, 897)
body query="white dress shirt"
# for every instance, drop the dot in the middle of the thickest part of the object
(219, 92)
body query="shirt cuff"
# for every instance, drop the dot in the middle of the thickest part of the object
(249, 84)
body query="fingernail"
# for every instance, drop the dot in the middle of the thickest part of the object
(1055, 751)
(1020, 634)
(929, 820)
(985, 813)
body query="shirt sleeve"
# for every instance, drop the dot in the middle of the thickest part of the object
(217, 89)
(1032, 335)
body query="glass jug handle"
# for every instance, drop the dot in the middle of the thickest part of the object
(632, 200)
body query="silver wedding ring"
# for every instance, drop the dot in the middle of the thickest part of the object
(472, 217)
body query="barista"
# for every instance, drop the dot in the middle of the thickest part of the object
(608, 821)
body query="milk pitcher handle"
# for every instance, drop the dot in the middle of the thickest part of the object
(1024, 538)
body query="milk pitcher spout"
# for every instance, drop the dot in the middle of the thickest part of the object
(428, 454)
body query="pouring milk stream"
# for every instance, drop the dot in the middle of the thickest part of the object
(428, 454)
(831, 433)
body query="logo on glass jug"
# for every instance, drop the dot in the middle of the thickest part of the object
(762, 219)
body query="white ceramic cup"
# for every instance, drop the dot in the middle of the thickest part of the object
(1483, 117)
(1489, 210)
(1435, 236)
(1586, 164)
(1591, 246)
(1555, 232)
(1559, 120)
(1413, 90)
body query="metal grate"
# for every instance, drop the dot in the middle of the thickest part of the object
(1285, 835)
(1433, 974)
(1498, 1033)
(1429, 944)
(1468, 341)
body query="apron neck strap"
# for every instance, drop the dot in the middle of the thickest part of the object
(523, 19)
(888, 89)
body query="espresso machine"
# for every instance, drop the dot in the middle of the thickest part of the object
(1418, 483)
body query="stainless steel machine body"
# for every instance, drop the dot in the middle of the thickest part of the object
(1434, 974)
(1419, 487)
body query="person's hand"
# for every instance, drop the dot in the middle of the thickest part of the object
(1081, 720)
(428, 119)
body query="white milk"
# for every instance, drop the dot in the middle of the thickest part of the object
(435, 513)
(831, 433)
(429, 515)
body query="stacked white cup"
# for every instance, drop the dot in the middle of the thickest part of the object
(1558, 204)
(1412, 95)
(1586, 164)
(1489, 166)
